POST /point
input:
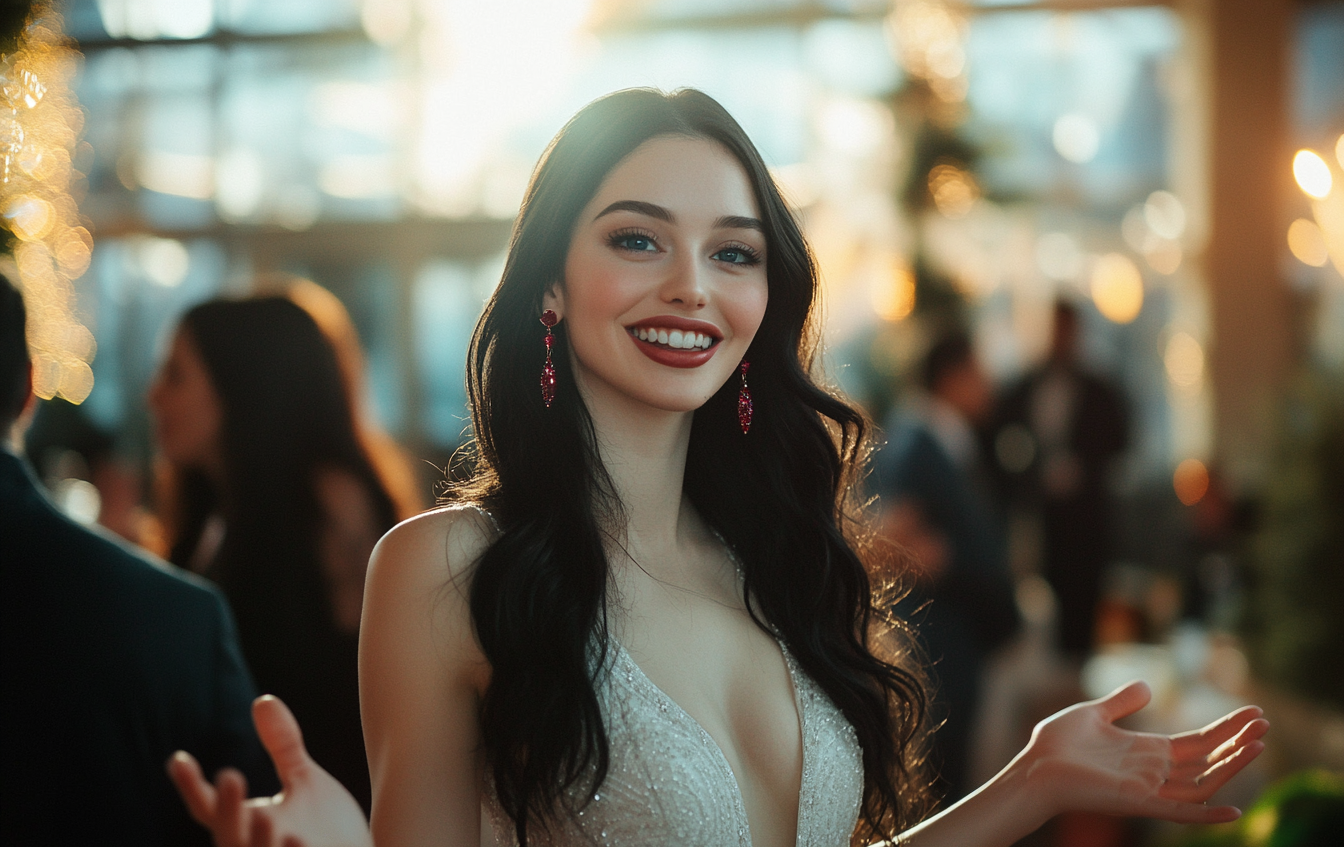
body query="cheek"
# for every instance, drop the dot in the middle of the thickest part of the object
(744, 308)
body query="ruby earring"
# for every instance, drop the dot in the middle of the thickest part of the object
(548, 320)
(744, 400)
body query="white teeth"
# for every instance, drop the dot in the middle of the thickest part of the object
(675, 338)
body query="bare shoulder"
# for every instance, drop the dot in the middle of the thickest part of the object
(441, 544)
(416, 595)
(422, 675)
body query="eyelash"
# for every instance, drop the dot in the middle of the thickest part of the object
(751, 255)
(620, 237)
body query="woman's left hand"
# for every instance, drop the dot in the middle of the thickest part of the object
(1079, 760)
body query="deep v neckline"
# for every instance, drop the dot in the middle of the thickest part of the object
(677, 711)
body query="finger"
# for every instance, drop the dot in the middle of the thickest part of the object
(1197, 764)
(1181, 812)
(1206, 784)
(1125, 700)
(262, 830)
(282, 738)
(1215, 734)
(231, 815)
(197, 793)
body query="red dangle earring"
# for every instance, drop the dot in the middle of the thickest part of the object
(744, 400)
(548, 320)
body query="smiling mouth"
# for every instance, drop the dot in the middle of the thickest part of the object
(674, 339)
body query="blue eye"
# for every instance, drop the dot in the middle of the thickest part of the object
(636, 242)
(738, 256)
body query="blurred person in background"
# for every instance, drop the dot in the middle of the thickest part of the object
(1071, 426)
(271, 491)
(111, 659)
(392, 463)
(935, 504)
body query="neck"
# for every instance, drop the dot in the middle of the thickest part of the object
(644, 452)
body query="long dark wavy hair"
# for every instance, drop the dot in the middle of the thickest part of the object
(287, 415)
(778, 496)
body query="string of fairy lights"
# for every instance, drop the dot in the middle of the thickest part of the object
(40, 122)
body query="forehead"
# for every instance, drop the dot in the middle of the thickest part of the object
(687, 176)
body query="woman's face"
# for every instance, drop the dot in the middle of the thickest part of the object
(188, 414)
(665, 282)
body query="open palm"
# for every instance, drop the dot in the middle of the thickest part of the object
(311, 802)
(1083, 761)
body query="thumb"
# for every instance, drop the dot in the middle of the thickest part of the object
(1125, 700)
(282, 738)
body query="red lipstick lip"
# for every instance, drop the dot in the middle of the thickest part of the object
(675, 358)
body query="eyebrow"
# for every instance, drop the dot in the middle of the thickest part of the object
(653, 210)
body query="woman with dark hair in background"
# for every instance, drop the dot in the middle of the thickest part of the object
(645, 618)
(272, 494)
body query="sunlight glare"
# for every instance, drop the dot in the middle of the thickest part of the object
(1312, 174)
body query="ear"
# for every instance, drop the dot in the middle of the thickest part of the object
(554, 299)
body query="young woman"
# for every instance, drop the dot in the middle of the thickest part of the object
(644, 620)
(271, 492)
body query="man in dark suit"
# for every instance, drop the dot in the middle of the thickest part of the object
(936, 505)
(1066, 427)
(109, 661)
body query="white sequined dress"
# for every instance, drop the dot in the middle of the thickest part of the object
(670, 784)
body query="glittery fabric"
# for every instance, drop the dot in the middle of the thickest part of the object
(670, 784)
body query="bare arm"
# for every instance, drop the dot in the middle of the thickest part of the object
(1078, 760)
(421, 678)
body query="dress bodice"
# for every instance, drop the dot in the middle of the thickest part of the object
(670, 783)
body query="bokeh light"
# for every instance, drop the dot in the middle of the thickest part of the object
(895, 301)
(953, 189)
(1184, 360)
(1191, 481)
(53, 247)
(1165, 215)
(928, 37)
(1307, 243)
(1076, 137)
(1059, 257)
(1117, 288)
(1312, 174)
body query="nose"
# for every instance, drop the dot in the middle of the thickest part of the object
(686, 282)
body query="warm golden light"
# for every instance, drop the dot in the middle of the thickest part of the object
(1184, 360)
(1307, 243)
(928, 39)
(1339, 150)
(41, 128)
(1191, 481)
(954, 190)
(895, 301)
(1165, 215)
(1165, 257)
(1117, 288)
(1312, 174)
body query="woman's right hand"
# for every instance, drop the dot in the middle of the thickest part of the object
(311, 810)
